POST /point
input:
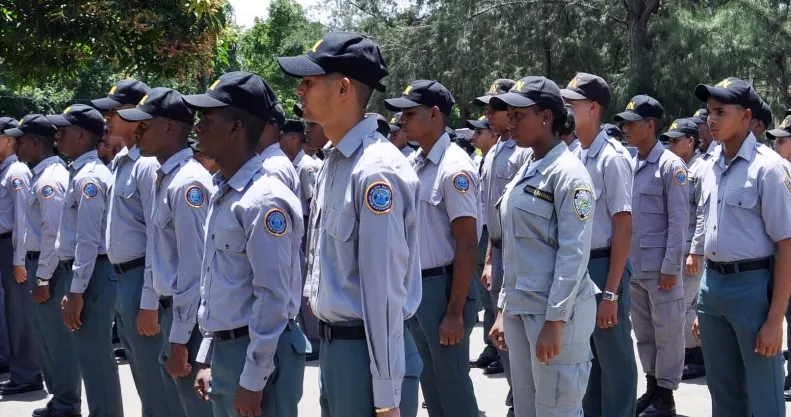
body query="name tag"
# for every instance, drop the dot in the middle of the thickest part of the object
(548, 197)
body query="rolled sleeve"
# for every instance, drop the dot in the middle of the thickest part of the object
(51, 210)
(574, 243)
(678, 219)
(776, 202)
(89, 234)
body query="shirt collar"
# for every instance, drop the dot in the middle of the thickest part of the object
(747, 150)
(133, 153)
(598, 143)
(353, 139)
(243, 176)
(656, 152)
(270, 150)
(551, 157)
(41, 166)
(8, 161)
(83, 159)
(299, 157)
(175, 160)
(438, 150)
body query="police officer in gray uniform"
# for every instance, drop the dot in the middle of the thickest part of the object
(707, 143)
(661, 201)
(361, 292)
(449, 231)
(547, 305)
(14, 186)
(44, 206)
(762, 120)
(612, 389)
(682, 139)
(129, 213)
(399, 138)
(276, 162)
(176, 234)
(251, 276)
(744, 294)
(88, 305)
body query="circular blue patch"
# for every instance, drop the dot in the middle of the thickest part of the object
(16, 183)
(379, 197)
(194, 196)
(461, 182)
(680, 176)
(90, 190)
(276, 223)
(47, 191)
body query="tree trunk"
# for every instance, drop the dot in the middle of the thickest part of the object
(638, 14)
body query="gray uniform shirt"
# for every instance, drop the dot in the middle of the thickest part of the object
(610, 167)
(181, 202)
(449, 187)
(307, 169)
(499, 168)
(44, 207)
(251, 271)
(547, 222)
(696, 168)
(14, 185)
(129, 211)
(277, 164)
(749, 201)
(84, 217)
(661, 203)
(369, 273)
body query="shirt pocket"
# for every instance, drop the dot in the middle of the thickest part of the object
(230, 240)
(339, 225)
(431, 195)
(652, 199)
(505, 168)
(162, 216)
(533, 218)
(128, 188)
(652, 251)
(747, 200)
(341, 245)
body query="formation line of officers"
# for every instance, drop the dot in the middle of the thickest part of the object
(227, 262)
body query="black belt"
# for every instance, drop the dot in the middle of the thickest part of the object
(32, 256)
(329, 332)
(6, 235)
(166, 302)
(600, 253)
(435, 272)
(68, 263)
(727, 268)
(125, 267)
(496, 243)
(237, 333)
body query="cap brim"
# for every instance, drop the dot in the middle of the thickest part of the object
(105, 103)
(482, 101)
(703, 92)
(400, 103)
(628, 116)
(394, 128)
(698, 120)
(300, 66)
(14, 133)
(502, 101)
(776, 133)
(571, 95)
(58, 120)
(134, 115)
(672, 134)
(476, 124)
(203, 101)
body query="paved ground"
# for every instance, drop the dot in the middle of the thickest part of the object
(692, 398)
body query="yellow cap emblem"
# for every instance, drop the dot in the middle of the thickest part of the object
(68, 109)
(407, 90)
(630, 106)
(214, 84)
(674, 125)
(143, 100)
(573, 82)
(112, 90)
(518, 85)
(316, 45)
(724, 83)
(493, 88)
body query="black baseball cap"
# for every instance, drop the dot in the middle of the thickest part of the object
(782, 131)
(294, 126)
(613, 131)
(123, 92)
(160, 102)
(80, 115)
(679, 128)
(586, 86)
(347, 53)
(640, 107)
(451, 133)
(36, 124)
(499, 86)
(382, 126)
(530, 91)
(243, 90)
(731, 90)
(701, 116)
(464, 135)
(297, 109)
(482, 123)
(764, 114)
(278, 115)
(394, 122)
(7, 123)
(423, 93)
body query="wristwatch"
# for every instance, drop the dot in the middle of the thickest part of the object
(383, 410)
(42, 282)
(610, 296)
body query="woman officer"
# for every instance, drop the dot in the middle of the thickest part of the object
(547, 305)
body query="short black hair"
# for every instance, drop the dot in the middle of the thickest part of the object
(253, 125)
(570, 125)
(47, 140)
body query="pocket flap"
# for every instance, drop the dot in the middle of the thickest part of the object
(534, 282)
(652, 189)
(339, 226)
(432, 196)
(162, 216)
(653, 241)
(299, 342)
(230, 240)
(127, 189)
(535, 206)
(745, 200)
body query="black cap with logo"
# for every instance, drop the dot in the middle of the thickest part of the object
(701, 116)
(243, 90)
(381, 123)
(36, 124)
(640, 107)
(80, 115)
(764, 114)
(482, 123)
(530, 91)
(423, 93)
(7, 123)
(679, 128)
(278, 115)
(160, 102)
(613, 131)
(499, 86)
(395, 122)
(350, 54)
(586, 86)
(291, 125)
(731, 91)
(782, 131)
(122, 93)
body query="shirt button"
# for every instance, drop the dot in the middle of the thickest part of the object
(212, 236)
(714, 253)
(203, 302)
(207, 269)
(715, 227)
(740, 204)
(227, 247)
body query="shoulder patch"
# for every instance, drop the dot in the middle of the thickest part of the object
(275, 222)
(194, 196)
(680, 176)
(583, 202)
(379, 197)
(16, 183)
(787, 182)
(90, 190)
(461, 182)
(548, 197)
(47, 191)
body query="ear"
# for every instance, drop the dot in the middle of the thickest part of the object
(345, 87)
